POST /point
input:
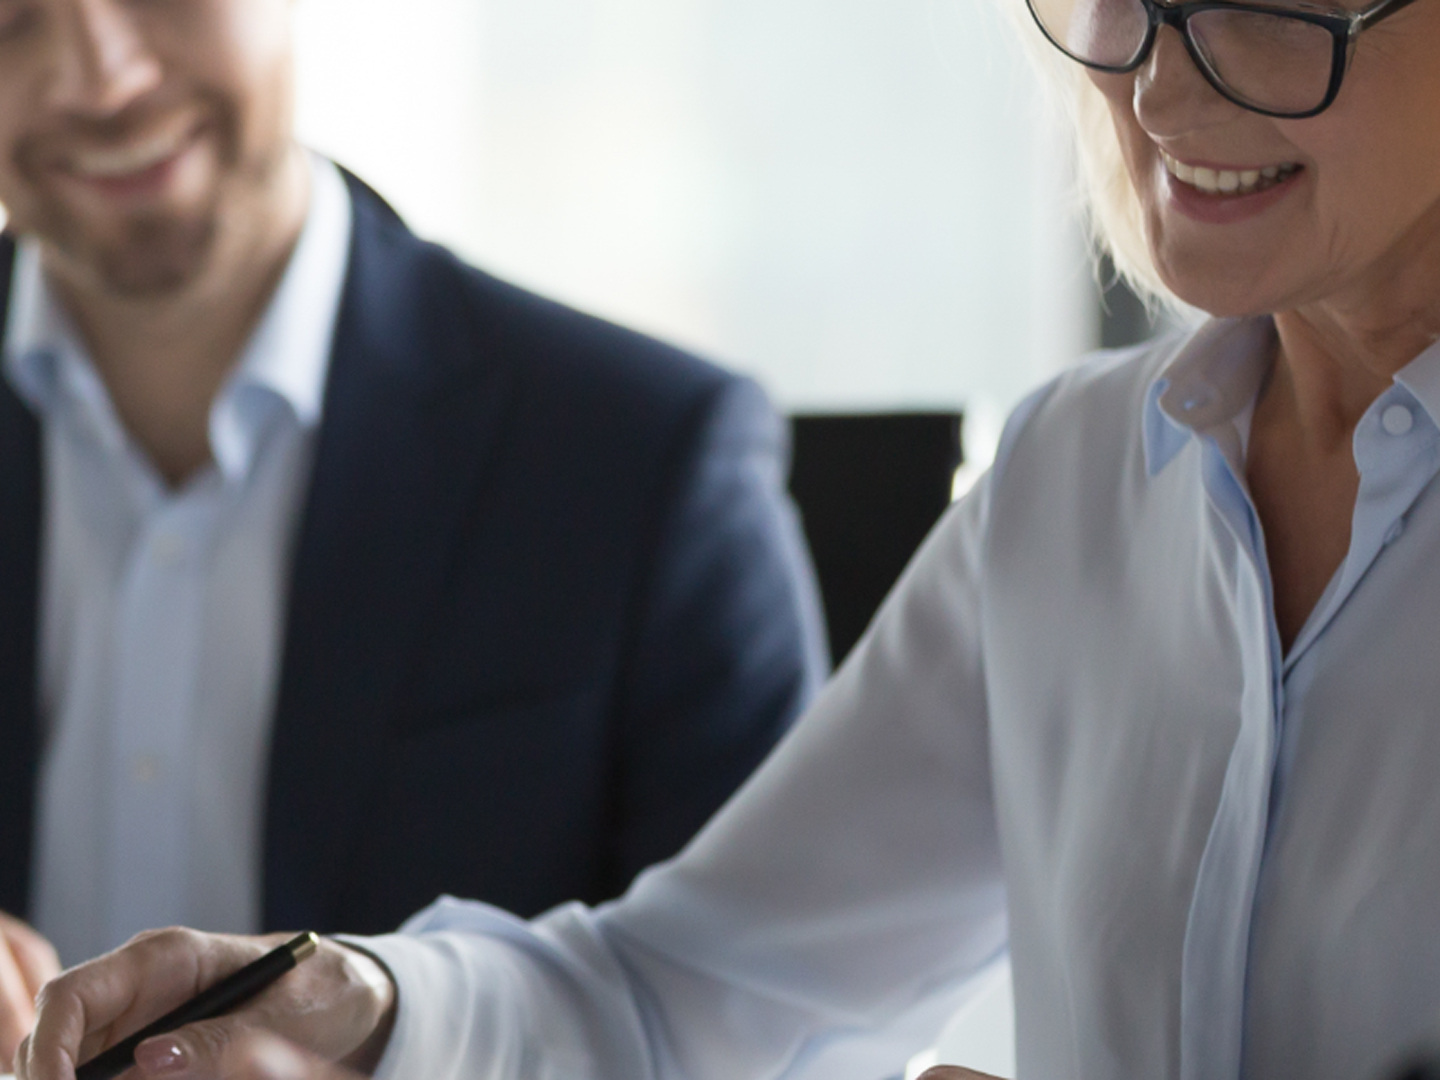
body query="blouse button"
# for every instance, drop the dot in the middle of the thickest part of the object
(1397, 420)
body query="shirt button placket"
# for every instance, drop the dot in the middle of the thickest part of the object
(158, 628)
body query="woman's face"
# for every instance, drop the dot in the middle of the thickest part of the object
(1359, 215)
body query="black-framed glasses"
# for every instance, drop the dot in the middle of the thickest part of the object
(1279, 59)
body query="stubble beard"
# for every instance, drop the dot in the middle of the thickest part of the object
(149, 255)
(155, 256)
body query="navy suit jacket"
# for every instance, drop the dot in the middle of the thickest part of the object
(549, 604)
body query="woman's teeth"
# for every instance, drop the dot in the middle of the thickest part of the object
(1228, 181)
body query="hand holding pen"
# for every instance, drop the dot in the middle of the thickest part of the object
(335, 1007)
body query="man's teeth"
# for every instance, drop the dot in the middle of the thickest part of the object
(124, 161)
(1228, 181)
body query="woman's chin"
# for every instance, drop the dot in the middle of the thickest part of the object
(1227, 307)
(1221, 295)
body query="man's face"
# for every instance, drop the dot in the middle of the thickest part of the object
(135, 133)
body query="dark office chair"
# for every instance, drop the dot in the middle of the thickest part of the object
(869, 488)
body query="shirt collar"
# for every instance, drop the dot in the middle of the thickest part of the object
(45, 359)
(1216, 376)
(36, 330)
(1207, 386)
(288, 355)
(1422, 378)
(286, 361)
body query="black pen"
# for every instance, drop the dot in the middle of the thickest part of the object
(225, 995)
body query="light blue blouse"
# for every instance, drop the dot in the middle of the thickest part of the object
(1071, 734)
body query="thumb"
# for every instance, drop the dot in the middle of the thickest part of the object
(230, 1049)
(195, 1052)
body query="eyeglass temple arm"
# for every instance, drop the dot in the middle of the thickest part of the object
(1376, 12)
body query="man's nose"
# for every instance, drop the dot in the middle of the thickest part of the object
(1172, 97)
(103, 61)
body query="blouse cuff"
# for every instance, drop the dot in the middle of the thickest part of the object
(436, 1004)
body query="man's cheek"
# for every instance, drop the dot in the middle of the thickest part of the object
(18, 206)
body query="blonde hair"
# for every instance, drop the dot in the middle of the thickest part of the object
(1107, 198)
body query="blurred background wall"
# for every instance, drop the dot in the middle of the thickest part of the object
(857, 202)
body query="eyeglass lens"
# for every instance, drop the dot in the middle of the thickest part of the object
(1274, 63)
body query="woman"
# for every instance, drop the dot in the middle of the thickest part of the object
(1153, 709)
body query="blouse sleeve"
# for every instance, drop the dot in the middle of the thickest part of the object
(846, 892)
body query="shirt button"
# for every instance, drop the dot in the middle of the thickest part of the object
(1397, 420)
(1394, 533)
(146, 769)
(169, 549)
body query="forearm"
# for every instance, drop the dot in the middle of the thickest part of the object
(485, 996)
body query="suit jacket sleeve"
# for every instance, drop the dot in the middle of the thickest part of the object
(728, 644)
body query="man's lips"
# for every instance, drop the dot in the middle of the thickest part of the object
(131, 159)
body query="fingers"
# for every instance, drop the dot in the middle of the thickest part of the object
(34, 956)
(17, 1006)
(230, 1048)
(96, 1004)
(197, 1050)
(954, 1072)
(338, 1003)
(231, 1052)
(26, 962)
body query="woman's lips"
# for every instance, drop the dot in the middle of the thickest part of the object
(1219, 180)
(1219, 196)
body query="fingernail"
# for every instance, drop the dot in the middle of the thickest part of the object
(162, 1057)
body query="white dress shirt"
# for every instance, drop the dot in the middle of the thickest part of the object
(162, 611)
(1070, 734)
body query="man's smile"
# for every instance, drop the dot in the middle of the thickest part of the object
(132, 157)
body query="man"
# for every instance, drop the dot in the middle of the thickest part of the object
(335, 574)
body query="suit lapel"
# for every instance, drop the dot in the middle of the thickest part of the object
(19, 619)
(412, 404)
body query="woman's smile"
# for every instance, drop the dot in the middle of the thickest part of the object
(1213, 194)
(1218, 180)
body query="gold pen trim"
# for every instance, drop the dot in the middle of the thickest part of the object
(304, 946)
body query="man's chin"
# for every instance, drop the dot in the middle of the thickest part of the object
(151, 260)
